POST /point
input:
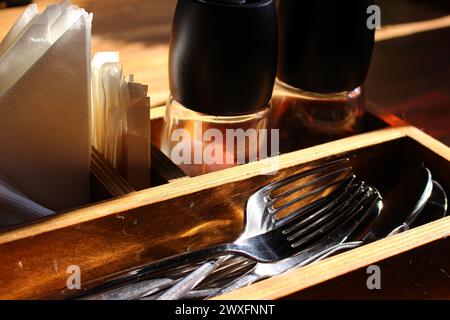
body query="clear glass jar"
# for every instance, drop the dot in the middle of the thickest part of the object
(307, 119)
(325, 53)
(331, 113)
(200, 143)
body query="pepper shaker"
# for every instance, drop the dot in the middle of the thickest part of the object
(325, 53)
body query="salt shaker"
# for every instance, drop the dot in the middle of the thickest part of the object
(222, 69)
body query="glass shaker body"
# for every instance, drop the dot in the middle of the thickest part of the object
(325, 53)
(222, 69)
(200, 143)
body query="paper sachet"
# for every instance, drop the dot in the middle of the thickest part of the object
(121, 120)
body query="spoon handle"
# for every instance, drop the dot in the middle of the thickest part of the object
(240, 282)
(337, 248)
(189, 282)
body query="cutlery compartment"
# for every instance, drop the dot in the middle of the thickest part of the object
(192, 213)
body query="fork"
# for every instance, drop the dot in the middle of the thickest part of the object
(402, 207)
(313, 214)
(358, 202)
(365, 204)
(271, 246)
(262, 213)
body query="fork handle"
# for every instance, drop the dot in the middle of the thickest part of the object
(335, 249)
(189, 282)
(184, 287)
(147, 270)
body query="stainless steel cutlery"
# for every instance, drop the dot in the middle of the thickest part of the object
(289, 223)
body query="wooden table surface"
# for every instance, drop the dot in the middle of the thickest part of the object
(409, 74)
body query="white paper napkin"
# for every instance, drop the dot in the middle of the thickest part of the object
(18, 28)
(44, 106)
(16, 208)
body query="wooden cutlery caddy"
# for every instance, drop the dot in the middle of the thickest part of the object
(183, 213)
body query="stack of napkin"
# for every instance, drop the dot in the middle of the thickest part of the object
(121, 120)
(45, 135)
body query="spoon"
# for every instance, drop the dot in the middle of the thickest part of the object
(403, 204)
(401, 210)
(436, 207)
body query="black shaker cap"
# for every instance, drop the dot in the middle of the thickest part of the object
(325, 45)
(223, 55)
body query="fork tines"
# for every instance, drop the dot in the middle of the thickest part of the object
(292, 196)
(356, 198)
